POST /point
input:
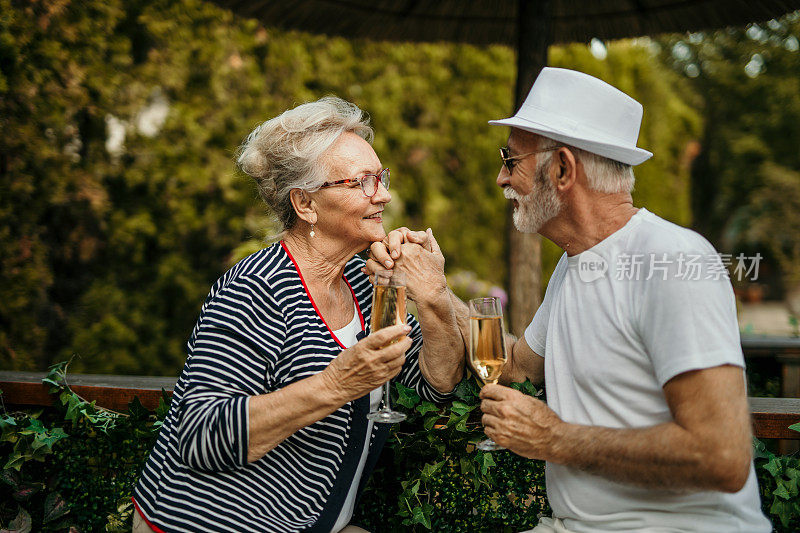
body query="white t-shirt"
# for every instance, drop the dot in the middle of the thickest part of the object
(617, 322)
(347, 336)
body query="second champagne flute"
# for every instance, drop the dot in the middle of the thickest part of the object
(388, 309)
(487, 347)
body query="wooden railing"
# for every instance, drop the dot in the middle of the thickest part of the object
(771, 416)
(783, 350)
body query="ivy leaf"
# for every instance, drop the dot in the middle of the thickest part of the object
(529, 388)
(10, 477)
(467, 466)
(34, 427)
(791, 486)
(22, 523)
(54, 507)
(461, 408)
(783, 510)
(137, 410)
(774, 466)
(406, 396)
(430, 422)
(27, 490)
(7, 420)
(8, 429)
(461, 425)
(55, 376)
(15, 461)
(163, 405)
(426, 407)
(466, 391)
(795, 427)
(418, 516)
(487, 461)
(781, 491)
(55, 435)
(429, 469)
(74, 405)
(760, 450)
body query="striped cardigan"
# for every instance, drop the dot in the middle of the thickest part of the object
(258, 331)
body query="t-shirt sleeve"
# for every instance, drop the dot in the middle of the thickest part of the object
(411, 375)
(232, 359)
(689, 324)
(536, 332)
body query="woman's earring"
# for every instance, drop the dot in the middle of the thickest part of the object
(311, 233)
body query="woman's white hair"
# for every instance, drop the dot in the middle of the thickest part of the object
(285, 152)
(603, 174)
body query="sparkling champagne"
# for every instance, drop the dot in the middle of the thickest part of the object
(388, 307)
(487, 347)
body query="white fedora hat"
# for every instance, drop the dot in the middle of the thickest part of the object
(582, 111)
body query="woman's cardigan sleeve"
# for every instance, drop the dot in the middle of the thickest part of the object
(231, 359)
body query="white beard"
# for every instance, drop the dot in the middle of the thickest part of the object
(536, 208)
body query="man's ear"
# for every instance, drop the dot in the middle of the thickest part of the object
(566, 169)
(304, 206)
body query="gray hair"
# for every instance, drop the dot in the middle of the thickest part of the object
(603, 174)
(285, 152)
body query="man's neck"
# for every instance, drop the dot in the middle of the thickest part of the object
(583, 224)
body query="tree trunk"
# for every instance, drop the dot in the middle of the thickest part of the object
(524, 250)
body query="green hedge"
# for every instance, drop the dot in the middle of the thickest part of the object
(73, 468)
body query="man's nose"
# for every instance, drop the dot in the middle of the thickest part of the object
(503, 177)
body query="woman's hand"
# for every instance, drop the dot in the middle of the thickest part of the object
(369, 363)
(415, 253)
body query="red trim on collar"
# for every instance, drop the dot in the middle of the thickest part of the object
(148, 522)
(305, 287)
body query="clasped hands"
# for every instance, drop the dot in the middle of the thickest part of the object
(520, 423)
(418, 256)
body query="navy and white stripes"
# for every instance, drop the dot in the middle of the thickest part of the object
(258, 332)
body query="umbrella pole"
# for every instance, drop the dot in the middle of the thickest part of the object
(534, 35)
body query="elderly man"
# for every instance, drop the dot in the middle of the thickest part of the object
(647, 426)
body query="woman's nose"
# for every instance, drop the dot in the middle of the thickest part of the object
(382, 194)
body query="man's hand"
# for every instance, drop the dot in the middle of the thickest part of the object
(518, 422)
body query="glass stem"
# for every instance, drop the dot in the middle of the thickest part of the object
(386, 393)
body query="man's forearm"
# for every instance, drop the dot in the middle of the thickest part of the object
(444, 348)
(664, 456)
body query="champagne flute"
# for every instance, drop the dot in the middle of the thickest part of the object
(388, 309)
(487, 347)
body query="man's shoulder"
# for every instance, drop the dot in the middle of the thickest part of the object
(657, 235)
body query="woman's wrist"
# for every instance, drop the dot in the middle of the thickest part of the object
(434, 296)
(328, 388)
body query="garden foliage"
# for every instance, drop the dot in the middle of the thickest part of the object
(73, 468)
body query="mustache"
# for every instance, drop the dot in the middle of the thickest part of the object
(510, 194)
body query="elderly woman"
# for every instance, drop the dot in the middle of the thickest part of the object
(267, 428)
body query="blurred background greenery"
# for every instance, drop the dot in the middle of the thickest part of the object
(120, 204)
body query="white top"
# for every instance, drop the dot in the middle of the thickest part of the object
(611, 339)
(347, 336)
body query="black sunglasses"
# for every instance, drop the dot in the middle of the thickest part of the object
(509, 161)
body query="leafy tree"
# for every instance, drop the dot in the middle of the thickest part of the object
(119, 201)
(745, 181)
